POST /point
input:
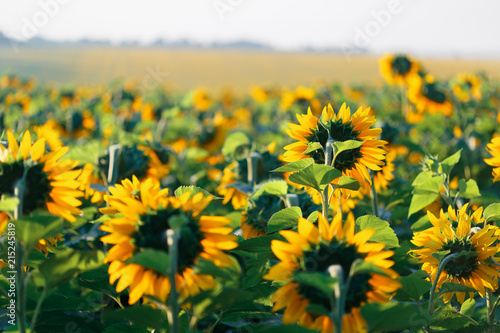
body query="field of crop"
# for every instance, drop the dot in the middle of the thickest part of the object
(188, 69)
(298, 205)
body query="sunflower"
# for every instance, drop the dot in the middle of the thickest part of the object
(460, 234)
(494, 149)
(142, 213)
(314, 249)
(467, 86)
(428, 97)
(339, 127)
(398, 69)
(201, 99)
(382, 178)
(303, 97)
(255, 217)
(237, 197)
(213, 133)
(49, 183)
(51, 132)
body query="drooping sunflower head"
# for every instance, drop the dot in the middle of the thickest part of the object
(467, 86)
(229, 189)
(313, 249)
(428, 96)
(494, 149)
(470, 245)
(398, 69)
(255, 217)
(383, 177)
(145, 213)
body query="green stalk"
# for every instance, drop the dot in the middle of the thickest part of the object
(173, 311)
(441, 266)
(491, 309)
(253, 167)
(329, 153)
(374, 196)
(20, 276)
(340, 291)
(37, 308)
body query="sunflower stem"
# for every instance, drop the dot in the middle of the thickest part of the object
(173, 310)
(253, 167)
(491, 309)
(340, 292)
(374, 196)
(19, 256)
(292, 200)
(114, 156)
(329, 153)
(441, 266)
(37, 308)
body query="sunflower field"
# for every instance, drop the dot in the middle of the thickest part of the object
(330, 208)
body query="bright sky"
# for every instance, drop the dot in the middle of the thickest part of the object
(421, 27)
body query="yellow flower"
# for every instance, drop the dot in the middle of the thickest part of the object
(238, 198)
(494, 149)
(314, 249)
(51, 132)
(467, 86)
(398, 69)
(49, 183)
(382, 178)
(460, 234)
(428, 97)
(201, 100)
(340, 127)
(142, 215)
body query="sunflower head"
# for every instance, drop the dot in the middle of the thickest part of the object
(255, 217)
(145, 213)
(340, 126)
(494, 149)
(472, 247)
(428, 96)
(398, 69)
(467, 86)
(313, 249)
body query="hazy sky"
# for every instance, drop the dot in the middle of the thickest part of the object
(421, 27)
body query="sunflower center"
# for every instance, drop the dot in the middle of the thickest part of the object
(325, 255)
(340, 131)
(206, 134)
(152, 234)
(400, 65)
(265, 206)
(431, 91)
(132, 161)
(37, 189)
(464, 264)
(318, 135)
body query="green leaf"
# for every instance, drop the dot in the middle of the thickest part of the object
(341, 146)
(233, 142)
(393, 316)
(154, 259)
(67, 263)
(194, 190)
(420, 201)
(431, 185)
(295, 166)
(440, 255)
(313, 217)
(260, 244)
(359, 266)
(348, 183)
(422, 224)
(316, 176)
(208, 267)
(383, 234)
(139, 314)
(276, 187)
(468, 189)
(492, 212)
(414, 286)
(208, 302)
(449, 287)
(284, 219)
(468, 307)
(326, 284)
(122, 327)
(30, 229)
(8, 204)
(448, 163)
(312, 146)
(290, 328)
(422, 177)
